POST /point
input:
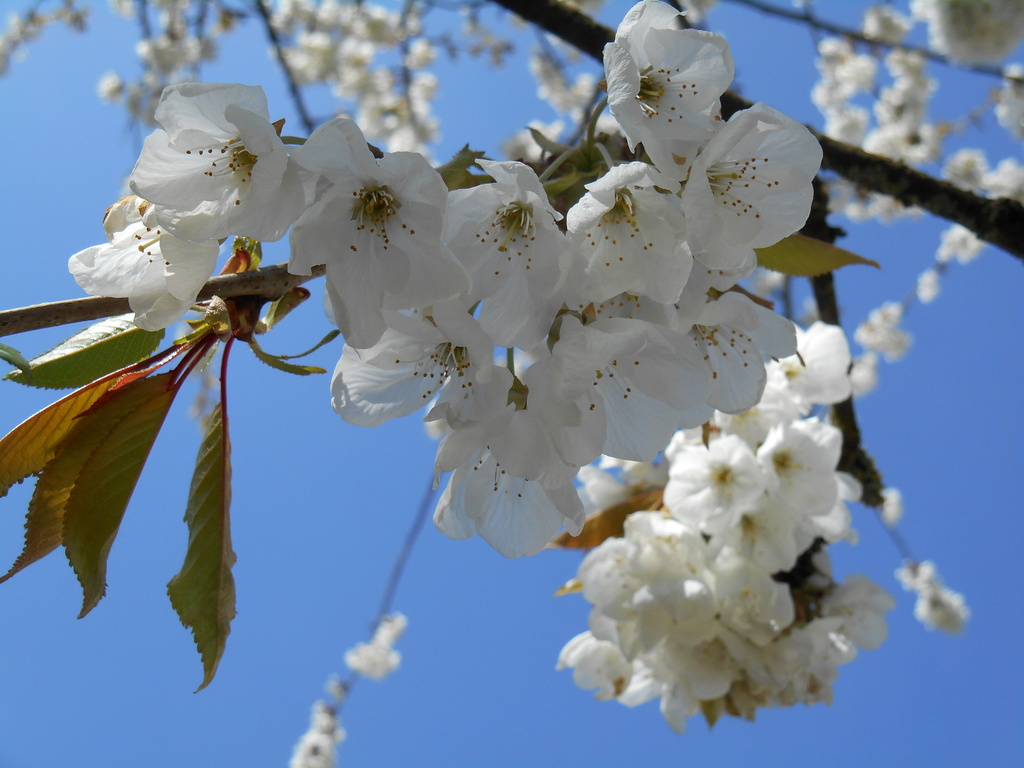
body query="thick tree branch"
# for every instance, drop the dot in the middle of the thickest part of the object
(269, 283)
(998, 221)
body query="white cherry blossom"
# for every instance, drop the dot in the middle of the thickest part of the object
(506, 235)
(750, 186)
(664, 84)
(218, 167)
(377, 226)
(630, 236)
(159, 274)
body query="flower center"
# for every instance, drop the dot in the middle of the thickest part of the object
(649, 95)
(229, 158)
(735, 184)
(374, 206)
(517, 220)
(722, 476)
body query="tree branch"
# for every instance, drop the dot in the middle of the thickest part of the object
(289, 76)
(998, 221)
(268, 282)
(853, 458)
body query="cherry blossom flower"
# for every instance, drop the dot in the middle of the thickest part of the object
(443, 352)
(218, 166)
(630, 236)
(750, 186)
(664, 84)
(377, 226)
(159, 274)
(506, 235)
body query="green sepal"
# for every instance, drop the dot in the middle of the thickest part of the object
(276, 362)
(91, 353)
(203, 592)
(331, 336)
(803, 256)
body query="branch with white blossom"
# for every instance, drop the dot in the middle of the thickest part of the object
(998, 221)
(269, 283)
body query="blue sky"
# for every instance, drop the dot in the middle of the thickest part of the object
(320, 507)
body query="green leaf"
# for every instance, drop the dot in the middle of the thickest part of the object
(93, 352)
(27, 448)
(456, 173)
(89, 481)
(276, 362)
(804, 256)
(203, 592)
(13, 356)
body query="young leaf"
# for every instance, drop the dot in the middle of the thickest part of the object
(456, 173)
(14, 357)
(93, 352)
(91, 477)
(276, 362)
(803, 256)
(203, 592)
(27, 448)
(608, 522)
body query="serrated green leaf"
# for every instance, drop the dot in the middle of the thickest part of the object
(87, 484)
(27, 448)
(15, 358)
(456, 173)
(462, 159)
(276, 362)
(93, 352)
(803, 256)
(203, 592)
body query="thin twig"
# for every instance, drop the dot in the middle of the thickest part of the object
(999, 221)
(397, 569)
(269, 282)
(289, 76)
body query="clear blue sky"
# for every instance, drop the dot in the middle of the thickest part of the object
(320, 507)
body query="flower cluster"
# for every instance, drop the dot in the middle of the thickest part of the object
(617, 312)
(722, 601)
(972, 31)
(378, 658)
